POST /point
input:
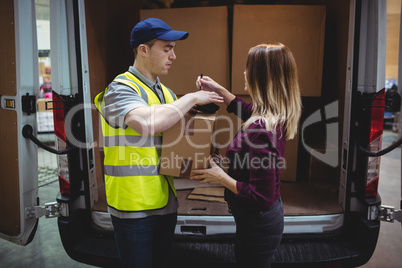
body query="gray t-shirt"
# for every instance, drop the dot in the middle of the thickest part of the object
(119, 100)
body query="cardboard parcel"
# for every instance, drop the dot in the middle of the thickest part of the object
(187, 145)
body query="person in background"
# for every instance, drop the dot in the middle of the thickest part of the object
(253, 190)
(136, 108)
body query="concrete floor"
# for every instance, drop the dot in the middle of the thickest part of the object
(46, 249)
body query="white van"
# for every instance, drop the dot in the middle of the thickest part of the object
(330, 195)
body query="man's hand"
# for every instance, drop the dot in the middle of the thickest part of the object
(148, 121)
(204, 97)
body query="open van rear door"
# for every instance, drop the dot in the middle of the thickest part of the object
(19, 204)
(18, 85)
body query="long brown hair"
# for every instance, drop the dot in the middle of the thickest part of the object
(271, 78)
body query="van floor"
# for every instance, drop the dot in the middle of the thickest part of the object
(299, 199)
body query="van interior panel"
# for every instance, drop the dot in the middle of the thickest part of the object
(8, 85)
(9, 174)
(9, 184)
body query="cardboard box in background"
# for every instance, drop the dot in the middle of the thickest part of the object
(206, 50)
(47, 78)
(41, 104)
(300, 28)
(42, 69)
(187, 145)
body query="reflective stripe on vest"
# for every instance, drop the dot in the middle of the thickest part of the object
(131, 164)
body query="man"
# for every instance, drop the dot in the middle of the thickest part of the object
(136, 108)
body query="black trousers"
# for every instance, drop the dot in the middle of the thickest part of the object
(258, 235)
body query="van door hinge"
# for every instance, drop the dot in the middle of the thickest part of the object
(49, 210)
(384, 213)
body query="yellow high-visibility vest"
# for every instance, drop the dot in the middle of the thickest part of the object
(131, 164)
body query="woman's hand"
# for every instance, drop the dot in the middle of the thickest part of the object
(211, 175)
(214, 175)
(208, 83)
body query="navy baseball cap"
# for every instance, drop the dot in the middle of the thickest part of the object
(152, 28)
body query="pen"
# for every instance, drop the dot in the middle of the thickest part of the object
(200, 81)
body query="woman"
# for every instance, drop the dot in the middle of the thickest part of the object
(255, 155)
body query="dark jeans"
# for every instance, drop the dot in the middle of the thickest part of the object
(145, 242)
(258, 235)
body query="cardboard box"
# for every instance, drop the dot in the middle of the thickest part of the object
(41, 68)
(187, 145)
(206, 50)
(42, 105)
(300, 28)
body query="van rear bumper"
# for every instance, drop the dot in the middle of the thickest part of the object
(352, 247)
(347, 249)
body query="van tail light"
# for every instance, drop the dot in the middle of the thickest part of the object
(59, 117)
(375, 141)
(62, 164)
(64, 185)
(59, 112)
